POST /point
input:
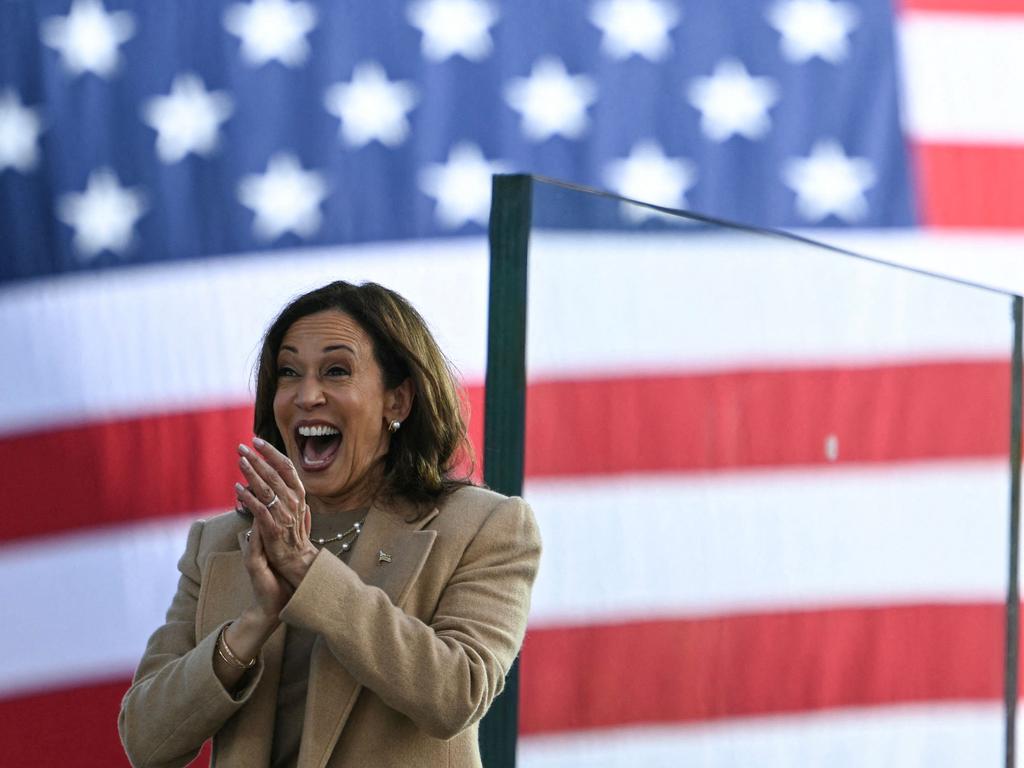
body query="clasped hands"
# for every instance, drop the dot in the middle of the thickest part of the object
(279, 551)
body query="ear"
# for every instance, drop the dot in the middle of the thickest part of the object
(398, 401)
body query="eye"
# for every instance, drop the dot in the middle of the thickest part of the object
(337, 370)
(284, 370)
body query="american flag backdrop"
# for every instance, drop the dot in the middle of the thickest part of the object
(814, 582)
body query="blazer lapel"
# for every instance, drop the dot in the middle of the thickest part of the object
(246, 738)
(389, 554)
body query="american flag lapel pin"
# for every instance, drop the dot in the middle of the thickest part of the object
(383, 557)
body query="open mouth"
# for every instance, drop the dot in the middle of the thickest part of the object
(318, 445)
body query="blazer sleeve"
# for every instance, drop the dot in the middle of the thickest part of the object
(445, 674)
(176, 702)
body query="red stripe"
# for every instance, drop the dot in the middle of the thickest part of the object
(71, 726)
(692, 670)
(767, 418)
(108, 473)
(971, 185)
(974, 7)
(667, 671)
(112, 472)
(84, 477)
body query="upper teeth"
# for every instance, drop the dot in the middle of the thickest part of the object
(318, 431)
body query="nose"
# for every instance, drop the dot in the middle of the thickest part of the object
(310, 393)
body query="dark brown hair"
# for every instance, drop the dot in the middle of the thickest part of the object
(424, 454)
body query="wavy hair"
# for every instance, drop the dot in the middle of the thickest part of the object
(424, 455)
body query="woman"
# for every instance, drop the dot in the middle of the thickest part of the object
(363, 606)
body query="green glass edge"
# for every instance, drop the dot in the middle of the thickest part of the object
(505, 406)
(1012, 658)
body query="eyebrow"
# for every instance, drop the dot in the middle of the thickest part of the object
(329, 348)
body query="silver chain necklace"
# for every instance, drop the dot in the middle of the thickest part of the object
(354, 532)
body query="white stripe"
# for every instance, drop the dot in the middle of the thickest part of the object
(958, 74)
(635, 547)
(162, 338)
(80, 607)
(647, 546)
(602, 301)
(951, 736)
(983, 257)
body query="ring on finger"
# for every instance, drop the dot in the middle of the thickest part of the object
(272, 502)
(248, 534)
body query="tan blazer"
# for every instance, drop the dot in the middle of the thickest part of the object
(409, 654)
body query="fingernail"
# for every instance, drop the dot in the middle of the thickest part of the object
(243, 448)
(239, 487)
(259, 441)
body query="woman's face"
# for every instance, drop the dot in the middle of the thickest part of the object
(332, 409)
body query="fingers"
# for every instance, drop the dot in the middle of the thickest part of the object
(270, 476)
(252, 550)
(280, 463)
(257, 486)
(280, 513)
(254, 543)
(265, 485)
(255, 505)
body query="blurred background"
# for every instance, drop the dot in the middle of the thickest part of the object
(772, 480)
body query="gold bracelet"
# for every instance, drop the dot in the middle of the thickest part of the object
(225, 652)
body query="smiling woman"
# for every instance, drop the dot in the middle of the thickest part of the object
(330, 400)
(364, 602)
